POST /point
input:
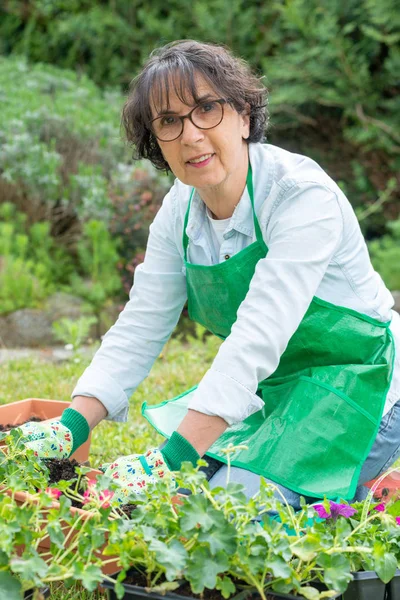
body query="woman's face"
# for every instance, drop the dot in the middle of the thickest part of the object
(223, 147)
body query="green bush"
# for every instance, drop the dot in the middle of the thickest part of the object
(385, 256)
(31, 265)
(332, 68)
(64, 167)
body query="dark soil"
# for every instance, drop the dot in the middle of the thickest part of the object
(136, 578)
(64, 469)
(11, 426)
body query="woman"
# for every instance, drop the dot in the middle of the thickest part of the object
(269, 254)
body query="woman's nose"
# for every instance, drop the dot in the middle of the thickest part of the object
(191, 133)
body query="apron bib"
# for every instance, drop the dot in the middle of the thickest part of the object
(324, 402)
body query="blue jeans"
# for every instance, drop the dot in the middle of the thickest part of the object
(384, 452)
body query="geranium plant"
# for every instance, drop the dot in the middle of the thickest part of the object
(209, 539)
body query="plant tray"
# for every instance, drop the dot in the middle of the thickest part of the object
(28, 595)
(366, 585)
(19, 412)
(393, 587)
(135, 592)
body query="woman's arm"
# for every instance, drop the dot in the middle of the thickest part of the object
(201, 430)
(131, 346)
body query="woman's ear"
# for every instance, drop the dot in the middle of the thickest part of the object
(245, 117)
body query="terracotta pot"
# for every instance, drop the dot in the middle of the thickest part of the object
(391, 483)
(19, 412)
(44, 546)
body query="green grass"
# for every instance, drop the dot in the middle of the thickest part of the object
(178, 368)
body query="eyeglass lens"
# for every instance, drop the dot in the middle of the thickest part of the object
(205, 116)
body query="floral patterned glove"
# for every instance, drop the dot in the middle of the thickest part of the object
(133, 473)
(56, 438)
(48, 440)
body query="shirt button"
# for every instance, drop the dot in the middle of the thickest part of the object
(227, 256)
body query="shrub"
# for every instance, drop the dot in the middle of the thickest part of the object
(385, 256)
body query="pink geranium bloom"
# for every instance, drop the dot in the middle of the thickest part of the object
(380, 507)
(336, 510)
(104, 498)
(54, 493)
(87, 497)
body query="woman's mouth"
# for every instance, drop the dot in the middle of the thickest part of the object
(200, 161)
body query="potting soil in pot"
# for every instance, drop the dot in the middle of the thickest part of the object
(64, 469)
(12, 426)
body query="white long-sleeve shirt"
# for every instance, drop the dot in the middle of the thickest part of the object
(315, 249)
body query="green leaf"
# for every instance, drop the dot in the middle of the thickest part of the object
(226, 586)
(32, 569)
(307, 548)
(172, 557)
(89, 575)
(385, 566)
(203, 569)
(220, 538)
(10, 587)
(336, 572)
(394, 509)
(309, 592)
(198, 512)
(279, 567)
(55, 533)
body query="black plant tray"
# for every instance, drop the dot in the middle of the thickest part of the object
(135, 592)
(393, 587)
(28, 595)
(366, 585)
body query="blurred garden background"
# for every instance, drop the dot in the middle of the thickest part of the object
(75, 208)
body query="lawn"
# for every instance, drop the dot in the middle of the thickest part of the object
(179, 367)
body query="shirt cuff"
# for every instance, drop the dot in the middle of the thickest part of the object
(220, 395)
(98, 384)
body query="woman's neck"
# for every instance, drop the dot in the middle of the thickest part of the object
(223, 198)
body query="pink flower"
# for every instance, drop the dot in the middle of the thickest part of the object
(336, 510)
(87, 497)
(54, 493)
(380, 507)
(398, 520)
(104, 498)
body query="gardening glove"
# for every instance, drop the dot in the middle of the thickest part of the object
(134, 473)
(56, 438)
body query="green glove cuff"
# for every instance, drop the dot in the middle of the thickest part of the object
(77, 425)
(178, 450)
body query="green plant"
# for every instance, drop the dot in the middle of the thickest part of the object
(31, 265)
(385, 256)
(98, 258)
(73, 333)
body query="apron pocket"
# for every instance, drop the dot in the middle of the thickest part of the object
(310, 437)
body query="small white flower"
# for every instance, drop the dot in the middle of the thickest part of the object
(69, 346)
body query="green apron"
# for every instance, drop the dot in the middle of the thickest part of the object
(322, 405)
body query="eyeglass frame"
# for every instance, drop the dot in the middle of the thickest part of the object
(220, 101)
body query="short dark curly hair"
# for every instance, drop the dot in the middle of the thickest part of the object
(178, 63)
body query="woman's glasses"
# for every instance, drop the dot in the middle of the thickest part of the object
(205, 115)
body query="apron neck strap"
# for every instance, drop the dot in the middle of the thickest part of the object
(249, 184)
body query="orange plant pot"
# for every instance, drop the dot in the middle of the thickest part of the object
(391, 483)
(19, 412)
(44, 545)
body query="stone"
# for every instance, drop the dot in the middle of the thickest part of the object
(32, 327)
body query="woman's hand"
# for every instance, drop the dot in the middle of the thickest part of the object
(49, 439)
(133, 473)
